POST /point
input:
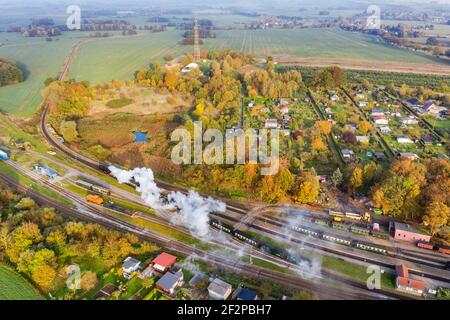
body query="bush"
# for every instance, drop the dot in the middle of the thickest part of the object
(119, 103)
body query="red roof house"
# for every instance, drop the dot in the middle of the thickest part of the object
(406, 284)
(163, 262)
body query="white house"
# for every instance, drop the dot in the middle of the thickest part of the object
(271, 124)
(404, 140)
(360, 96)
(170, 281)
(284, 110)
(189, 67)
(363, 103)
(409, 120)
(380, 120)
(385, 130)
(130, 265)
(409, 155)
(334, 97)
(219, 289)
(347, 153)
(377, 113)
(430, 108)
(363, 139)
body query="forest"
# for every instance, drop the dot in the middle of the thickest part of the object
(10, 73)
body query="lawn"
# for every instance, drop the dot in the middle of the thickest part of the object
(14, 287)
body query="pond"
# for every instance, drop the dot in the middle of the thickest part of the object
(140, 136)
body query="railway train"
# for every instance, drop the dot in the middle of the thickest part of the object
(93, 187)
(265, 247)
(434, 246)
(363, 245)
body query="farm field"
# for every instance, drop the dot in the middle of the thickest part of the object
(14, 287)
(39, 59)
(119, 58)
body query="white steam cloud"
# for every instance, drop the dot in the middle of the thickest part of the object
(193, 209)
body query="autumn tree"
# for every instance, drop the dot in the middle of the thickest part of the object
(364, 127)
(88, 281)
(437, 214)
(307, 189)
(356, 180)
(325, 126)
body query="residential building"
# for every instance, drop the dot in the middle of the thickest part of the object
(163, 262)
(385, 130)
(409, 155)
(246, 294)
(404, 140)
(271, 124)
(347, 153)
(169, 282)
(431, 108)
(380, 120)
(219, 289)
(189, 67)
(147, 272)
(377, 113)
(334, 97)
(404, 283)
(363, 139)
(129, 266)
(427, 139)
(196, 279)
(363, 103)
(284, 110)
(413, 102)
(404, 232)
(410, 120)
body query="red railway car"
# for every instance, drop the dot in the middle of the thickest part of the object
(443, 249)
(425, 245)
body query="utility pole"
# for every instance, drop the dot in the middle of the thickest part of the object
(196, 41)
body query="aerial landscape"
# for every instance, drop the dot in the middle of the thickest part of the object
(224, 151)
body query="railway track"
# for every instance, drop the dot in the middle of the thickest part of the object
(89, 213)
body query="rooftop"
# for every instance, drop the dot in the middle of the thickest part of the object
(164, 259)
(130, 262)
(169, 280)
(219, 287)
(405, 227)
(247, 294)
(401, 271)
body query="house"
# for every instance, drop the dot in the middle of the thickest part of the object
(430, 108)
(413, 102)
(283, 102)
(271, 124)
(250, 104)
(328, 110)
(45, 170)
(385, 130)
(347, 153)
(189, 67)
(404, 283)
(169, 282)
(377, 113)
(404, 140)
(334, 97)
(284, 110)
(105, 292)
(219, 289)
(360, 96)
(129, 266)
(246, 294)
(408, 155)
(380, 120)
(427, 139)
(163, 262)
(404, 232)
(409, 120)
(379, 155)
(147, 272)
(363, 139)
(196, 279)
(363, 103)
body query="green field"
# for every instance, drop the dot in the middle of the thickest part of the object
(39, 60)
(14, 287)
(118, 57)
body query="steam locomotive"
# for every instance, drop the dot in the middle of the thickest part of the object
(264, 247)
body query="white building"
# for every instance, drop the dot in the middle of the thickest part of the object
(380, 120)
(385, 130)
(271, 124)
(404, 140)
(189, 67)
(219, 289)
(130, 265)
